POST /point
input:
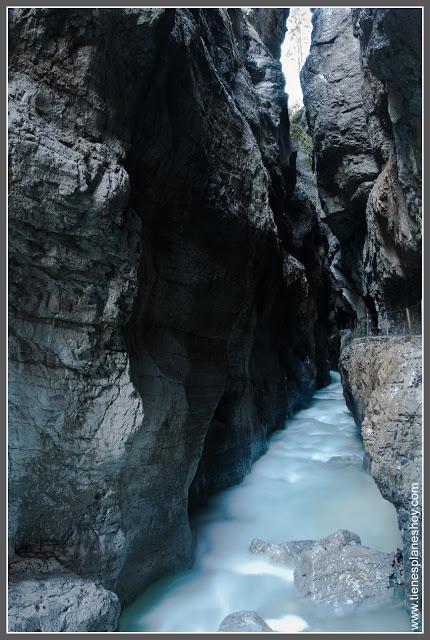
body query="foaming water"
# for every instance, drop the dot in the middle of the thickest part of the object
(307, 485)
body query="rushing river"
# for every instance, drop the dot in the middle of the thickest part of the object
(294, 491)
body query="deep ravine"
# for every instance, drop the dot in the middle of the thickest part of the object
(184, 252)
(309, 484)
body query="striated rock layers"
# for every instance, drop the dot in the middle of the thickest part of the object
(382, 381)
(163, 321)
(362, 92)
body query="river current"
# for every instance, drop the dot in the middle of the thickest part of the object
(308, 484)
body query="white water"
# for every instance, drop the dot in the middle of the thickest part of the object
(291, 493)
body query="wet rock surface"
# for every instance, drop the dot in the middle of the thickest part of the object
(307, 235)
(362, 92)
(346, 575)
(284, 552)
(382, 380)
(337, 570)
(245, 622)
(168, 288)
(161, 324)
(43, 596)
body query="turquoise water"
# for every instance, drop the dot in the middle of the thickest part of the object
(294, 491)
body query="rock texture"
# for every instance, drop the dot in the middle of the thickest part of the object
(244, 622)
(162, 322)
(338, 570)
(169, 299)
(362, 92)
(43, 597)
(346, 574)
(284, 552)
(382, 381)
(307, 235)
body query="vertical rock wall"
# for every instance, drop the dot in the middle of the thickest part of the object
(163, 320)
(382, 379)
(362, 91)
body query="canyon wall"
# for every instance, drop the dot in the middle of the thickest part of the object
(163, 318)
(177, 267)
(382, 379)
(362, 92)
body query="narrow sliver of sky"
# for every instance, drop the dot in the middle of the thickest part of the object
(295, 49)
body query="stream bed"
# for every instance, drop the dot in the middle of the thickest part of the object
(307, 485)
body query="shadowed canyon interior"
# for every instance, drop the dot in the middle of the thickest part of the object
(182, 267)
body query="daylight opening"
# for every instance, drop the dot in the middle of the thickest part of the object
(295, 49)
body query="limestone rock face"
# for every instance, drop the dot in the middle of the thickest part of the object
(43, 597)
(362, 92)
(390, 44)
(245, 622)
(332, 80)
(382, 381)
(161, 323)
(270, 25)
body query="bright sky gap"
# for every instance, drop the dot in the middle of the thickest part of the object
(295, 49)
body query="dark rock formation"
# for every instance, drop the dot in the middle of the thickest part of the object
(307, 237)
(338, 570)
(169, 290)
(390, 42)
(245, 622)
(44, 597)
(162, 319)
(363, 104)
(382, 381)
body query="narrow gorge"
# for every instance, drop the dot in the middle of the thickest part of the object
(188, 261)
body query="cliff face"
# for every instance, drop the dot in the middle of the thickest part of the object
(362, 91)
(382, 380)
(163, 321)
(170, 302)
(308, 238)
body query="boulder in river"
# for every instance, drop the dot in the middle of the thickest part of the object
(337, 570)
(240, 621)
(285, 552)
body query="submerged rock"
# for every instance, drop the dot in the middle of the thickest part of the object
(346, 460)
(244, 621)
(43, 596)
(337, 570)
